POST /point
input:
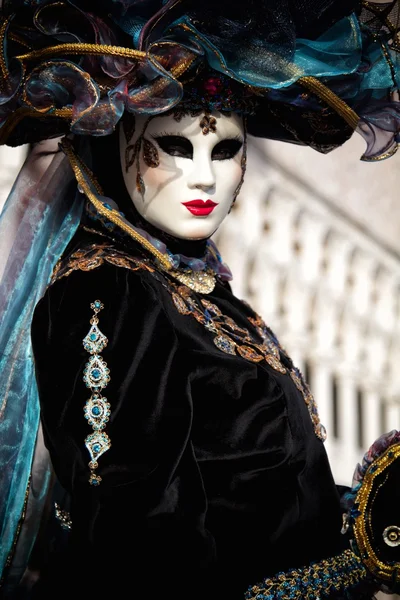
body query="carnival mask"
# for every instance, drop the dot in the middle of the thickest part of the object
(183, 173)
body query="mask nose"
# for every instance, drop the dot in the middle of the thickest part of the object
(202, 175)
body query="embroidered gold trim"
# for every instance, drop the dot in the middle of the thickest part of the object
(3, 29)
(63, 517)
(318, 580)
(370, 559)
(95, 256)
(229, 337)
(224, 328)
(383, 156)
(232, 339)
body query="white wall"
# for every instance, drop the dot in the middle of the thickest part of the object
(11, 160)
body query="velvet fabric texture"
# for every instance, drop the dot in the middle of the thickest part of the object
(215, 478)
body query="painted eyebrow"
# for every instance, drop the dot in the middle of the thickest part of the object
(237, 137)
(233, 138)
(168, 134)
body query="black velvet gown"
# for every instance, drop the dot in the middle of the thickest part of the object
(215, 478)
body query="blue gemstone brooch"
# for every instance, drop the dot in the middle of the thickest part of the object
(96, 376)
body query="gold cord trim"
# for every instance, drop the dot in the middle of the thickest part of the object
(97, 49)
(383, 156)
(389, 62)
(16, 38)
(370, 559)
(325, 94)
(3, 66)
(83, 49)
(92, 178)
(103, 49)
(112, 215)
(310, 83)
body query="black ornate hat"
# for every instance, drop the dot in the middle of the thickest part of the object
(303, 71)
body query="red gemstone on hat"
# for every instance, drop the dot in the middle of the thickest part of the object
(213, 85)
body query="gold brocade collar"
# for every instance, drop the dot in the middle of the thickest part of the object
(202, 282)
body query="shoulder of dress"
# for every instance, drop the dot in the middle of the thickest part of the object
(92, 256)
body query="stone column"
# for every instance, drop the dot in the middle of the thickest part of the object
(347, 451)
(392, 416)
(372, 413)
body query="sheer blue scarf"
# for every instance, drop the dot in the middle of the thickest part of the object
(39, 218)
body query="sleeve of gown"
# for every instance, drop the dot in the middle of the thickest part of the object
(150, 503)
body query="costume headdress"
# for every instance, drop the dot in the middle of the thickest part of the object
(303, 71)
(308, 72)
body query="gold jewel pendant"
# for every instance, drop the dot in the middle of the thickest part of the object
(202, 282)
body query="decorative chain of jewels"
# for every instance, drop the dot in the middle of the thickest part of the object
(337, 574)
(96, 376)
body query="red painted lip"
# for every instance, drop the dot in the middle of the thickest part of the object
(200, 208)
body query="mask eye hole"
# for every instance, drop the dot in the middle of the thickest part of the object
(391, 535)
(175, 145)
(226, 149)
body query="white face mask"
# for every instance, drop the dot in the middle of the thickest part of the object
(191, 190)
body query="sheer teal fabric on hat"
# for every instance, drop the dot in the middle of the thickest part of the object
(38, 220)
(336, 52)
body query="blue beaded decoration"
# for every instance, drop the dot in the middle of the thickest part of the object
(96, 376)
